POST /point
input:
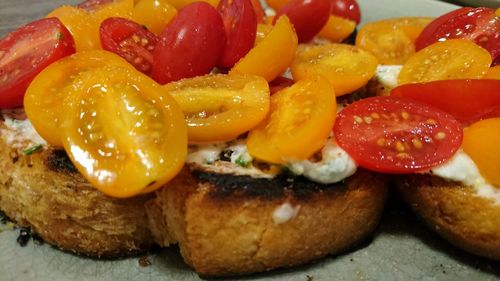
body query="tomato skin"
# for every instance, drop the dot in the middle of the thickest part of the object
(240, 23)
(130, 41)
(466, 100)
(307, 16)
(348, 9)
(25, 52)
(191, 45)
(397, 135)
(279, 84)
(93, 5)
(260, 14)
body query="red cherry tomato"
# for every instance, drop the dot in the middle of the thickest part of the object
(129, 40)
(307, 16)
(93, 5)
(397, 135)
(479, 25)
(241, 27)
(279, 84)
(191, 45)
(25, 52)
(348, 9)
(260, 14)
(467, 100)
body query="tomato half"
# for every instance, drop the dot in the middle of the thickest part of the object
(397, 135)
(46, 95)
(240, 23)
(93, 5)
(123, 132)
(25, 52)
(479, 25)
(348, 9)
(493, 73)
(130, 41)
(179, 4)
(307, 16)
(260, 14)
(279, 84)
(298, 124)
(191, 45)
(466, 100)
(154, 14)
(337, 29)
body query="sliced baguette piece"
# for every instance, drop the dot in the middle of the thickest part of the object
(453, 210)
(232, 225)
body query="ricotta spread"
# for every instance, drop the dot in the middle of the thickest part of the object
(20, 134)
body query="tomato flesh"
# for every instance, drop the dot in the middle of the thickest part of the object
(348, 9)
(25, 52)
(191, 45)
(397, 135)
(93, 5)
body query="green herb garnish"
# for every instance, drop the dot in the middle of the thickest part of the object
(242, 162)
(59, 35)
(33, 149)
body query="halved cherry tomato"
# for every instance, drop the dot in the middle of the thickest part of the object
(279, 84)
(179, 4)
(191, 45)
(493, 73)
(45, 96)
(466, 100)
(123, 132)
(348, 9)
(154, 14)
(481, 141)
(347, 67)
(221, 107)
(277, 4)
(337, 29)
(479, 25)
(262, 31)
(130, 41)
(397, 135)
(273, 54)
(391, 41)
(241, 26)
(93, 5)
(298, 124)
(451, 59)
(307, 16)
(25, 52)
(259, 11)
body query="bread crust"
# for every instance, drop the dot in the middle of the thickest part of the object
(45, 192)
(224, 224)
(453, 210)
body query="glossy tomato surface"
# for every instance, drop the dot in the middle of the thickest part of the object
(25, 52)
(130, 41)
(190, 45)
(93, 5)
(348, 9)
(397, 135)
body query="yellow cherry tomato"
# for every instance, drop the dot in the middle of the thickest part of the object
(123, 131)
(179, 4)
(481, 143)
(273, 55)
(221, 107)
(262, 31)
(497, 12)
(392, 41)
(347, 67)
(277, 4)
(298, 124)
(45, 96)
(493, 73)
(451, 59)
(337, 29)
(154, 14)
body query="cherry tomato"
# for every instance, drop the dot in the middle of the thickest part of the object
(298, 124)
(307, 16)
(25, 52)
(262, 31)
(123, 132)
(337, 29)
(277, 4)
(154, 14)
(221, 107)
(451, 59)
(347, 67)
(46, 94)
(93, 5)
(130, 41)
(348, 9)
(179, 4)
(191, 45)
(397, 135)
(260, 14)
(279, 84)
(493, 73)
(241, 27)
(479, 25)
(467, 100)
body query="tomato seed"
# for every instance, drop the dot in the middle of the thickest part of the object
(368, 119)
(358, 119)
(375, 115)
(399, 146)
(431, 121)
(381, 142)
(405, 115)
(440, 136)
(417, 143)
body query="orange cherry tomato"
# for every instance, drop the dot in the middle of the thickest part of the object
(298, 124)
(154, 14)
(273, 55)
(179, 4)
(123, 131)
(277, 4)
(451, 59)
(391, 41)
(337, 29)
(481, 141)
(221, 107)
(493, 73)
(347, 67)
(45, 96)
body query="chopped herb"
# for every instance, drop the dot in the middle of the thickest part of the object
(32, 149)
(242, 162)
(59, 35)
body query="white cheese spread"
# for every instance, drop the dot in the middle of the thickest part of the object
(284, 213)
(20, 134)
(387, 75)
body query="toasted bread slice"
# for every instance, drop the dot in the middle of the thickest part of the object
(232, 225)
(45, 192)
(455, 212)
